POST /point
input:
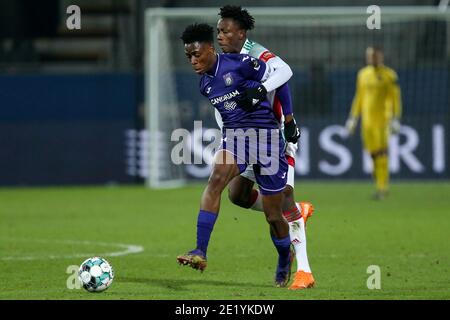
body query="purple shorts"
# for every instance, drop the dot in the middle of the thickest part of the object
(264, 149)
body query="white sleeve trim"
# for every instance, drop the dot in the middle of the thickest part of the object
(218, 118)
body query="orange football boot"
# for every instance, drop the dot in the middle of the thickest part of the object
(302, 280)
(307, 210)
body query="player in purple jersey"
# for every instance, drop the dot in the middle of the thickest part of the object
(232, 37)
(228, 81)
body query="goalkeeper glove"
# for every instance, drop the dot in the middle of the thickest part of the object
(395, 126)
(291, 131)
(251, 98)
(350, 125)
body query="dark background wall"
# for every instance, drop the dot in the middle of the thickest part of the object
(69, 99)
(65, 129)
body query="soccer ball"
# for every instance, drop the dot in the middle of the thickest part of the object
(96, 274)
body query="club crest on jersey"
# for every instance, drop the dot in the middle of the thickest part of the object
(228, 79)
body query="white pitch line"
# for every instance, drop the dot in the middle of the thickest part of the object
(128, 249)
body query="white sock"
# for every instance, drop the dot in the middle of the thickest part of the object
(297, 234)
(298, 239)
(258, 205)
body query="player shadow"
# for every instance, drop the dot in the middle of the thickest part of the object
(180, 284)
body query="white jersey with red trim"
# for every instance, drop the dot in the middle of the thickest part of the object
(281, 74)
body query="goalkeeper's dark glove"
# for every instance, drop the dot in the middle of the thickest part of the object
(291, 131)
(251, 98)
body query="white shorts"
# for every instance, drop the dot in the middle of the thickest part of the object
(291, 149)
(250, 175)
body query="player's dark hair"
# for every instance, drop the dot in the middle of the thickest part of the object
(200, 32)
(241, 16)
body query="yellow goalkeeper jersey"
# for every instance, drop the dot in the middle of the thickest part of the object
(377, 97)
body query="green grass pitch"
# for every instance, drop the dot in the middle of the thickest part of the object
(43, 231)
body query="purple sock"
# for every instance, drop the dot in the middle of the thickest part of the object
(205, 225)
(283, 248)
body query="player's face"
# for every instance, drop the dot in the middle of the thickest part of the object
(374, 57)
(201, 56)
(229, 36)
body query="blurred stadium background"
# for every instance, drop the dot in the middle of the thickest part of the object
(74, 111)
(73, 101)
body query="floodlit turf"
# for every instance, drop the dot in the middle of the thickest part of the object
(43, 231)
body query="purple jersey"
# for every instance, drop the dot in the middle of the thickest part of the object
(232, 75)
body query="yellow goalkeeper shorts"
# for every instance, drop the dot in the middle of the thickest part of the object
(375, 138)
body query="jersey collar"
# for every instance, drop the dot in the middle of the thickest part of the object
(248, 44)
(215, 67)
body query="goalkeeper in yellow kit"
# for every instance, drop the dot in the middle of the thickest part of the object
(378, 102)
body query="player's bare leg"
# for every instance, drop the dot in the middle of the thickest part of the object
(241, 192)
(225, 168)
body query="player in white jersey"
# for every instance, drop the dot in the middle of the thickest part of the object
(232, 30)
